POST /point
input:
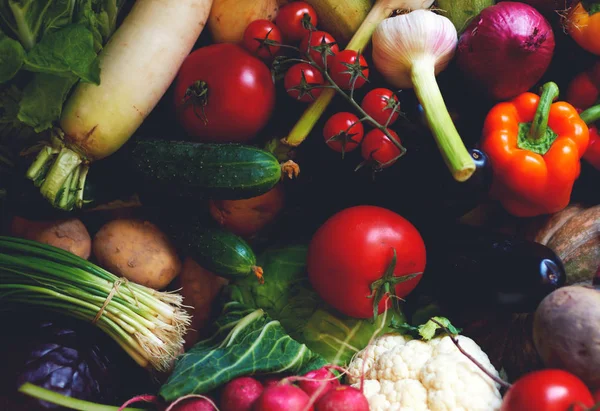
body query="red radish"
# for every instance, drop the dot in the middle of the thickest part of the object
(319, 378)
(505, 39)
(271, 380)
(283, 397)
(343, 398)
(239, 394)
(192, 403)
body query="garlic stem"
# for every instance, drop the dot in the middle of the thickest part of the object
(453, 150)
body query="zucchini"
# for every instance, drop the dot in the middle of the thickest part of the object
(214, 248)
(197, 170)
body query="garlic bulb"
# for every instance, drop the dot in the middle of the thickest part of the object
(400, 42)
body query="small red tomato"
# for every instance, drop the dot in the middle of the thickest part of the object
(547, 390)
(343, 132)
(347, 66)
(380, 103)
(295, 19)
(354, 249)
(303, 82)
(320, 42)
(262, 38)
(377, 147)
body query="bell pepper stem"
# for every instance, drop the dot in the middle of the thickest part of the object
(454, 152)
(591, 115)
(361, 38)
(539, 125)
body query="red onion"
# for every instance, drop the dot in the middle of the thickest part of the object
(549, 7)
(506, 49)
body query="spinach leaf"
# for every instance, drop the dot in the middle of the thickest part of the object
(42, 100)
(246, 342)
(64, 52)
(12, 56)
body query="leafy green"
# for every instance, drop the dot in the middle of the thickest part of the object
(12, 56)
(66, 52)
(14, 135)
(287, 296)
(427, 330)
(246, 342)
(43, 99)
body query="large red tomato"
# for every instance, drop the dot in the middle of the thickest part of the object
(547, 390)
(223, 94)
(354, 248)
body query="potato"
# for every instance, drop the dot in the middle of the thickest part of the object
(70, 235)
(566, 332)
(199, 288)
(247, 217)
(138, 251)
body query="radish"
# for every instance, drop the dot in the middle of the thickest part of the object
(191, 404)
(283, 397)
(138, 64)
(321, 380)
(239, 394)
(271, 380)
(343, 398)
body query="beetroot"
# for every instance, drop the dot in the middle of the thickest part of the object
(282, 397)
(239, 394)
(318, 377)
(506, 49)
(343, 398)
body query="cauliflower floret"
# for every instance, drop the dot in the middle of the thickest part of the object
(416, 375)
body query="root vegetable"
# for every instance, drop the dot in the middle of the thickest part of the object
(229, 18)
(319, 378)
(70, 235)
(199, 288)
(343, 398)
(283, 398)
(240, 394)
(566, 333)
(247, 217)
(138, 251)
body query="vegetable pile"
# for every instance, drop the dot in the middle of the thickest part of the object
(284, 205)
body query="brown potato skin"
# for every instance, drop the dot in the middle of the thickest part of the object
(70, 235)
(247, 217)
(137, 250)
(566, 332)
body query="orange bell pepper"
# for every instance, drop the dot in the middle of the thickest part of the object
(583, 25)
(535, 147)
(592, 154)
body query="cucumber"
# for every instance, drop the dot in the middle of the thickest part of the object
(195, 170)
(214, 248)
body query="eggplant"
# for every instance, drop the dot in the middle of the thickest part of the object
(471, 268)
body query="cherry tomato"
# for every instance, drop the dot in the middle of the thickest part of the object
(292, 19)
(547, 390)
(354, 248)
(223, 94)
(343, 132)
(343, 64)
(377, 147)
(259, 38)
(299, 81)
(380, 103)
(319, 41)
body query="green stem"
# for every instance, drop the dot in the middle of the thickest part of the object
(381, 10)
(591, 115)
(539, 125)
(451, 146)
(68, 402)
(462, 12)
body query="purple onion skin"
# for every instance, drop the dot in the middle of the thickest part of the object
(506, 49)
(549, 7)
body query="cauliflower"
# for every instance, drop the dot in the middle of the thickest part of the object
(415, 375)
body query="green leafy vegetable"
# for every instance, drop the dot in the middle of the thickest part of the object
(43, 99)
(66, 52)
(12, 56)
(428, 330)
(287, 296)
(246, 342)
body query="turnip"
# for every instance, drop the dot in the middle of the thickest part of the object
(239, 394)
(343, 398)
(321, 380)
(283, 397)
